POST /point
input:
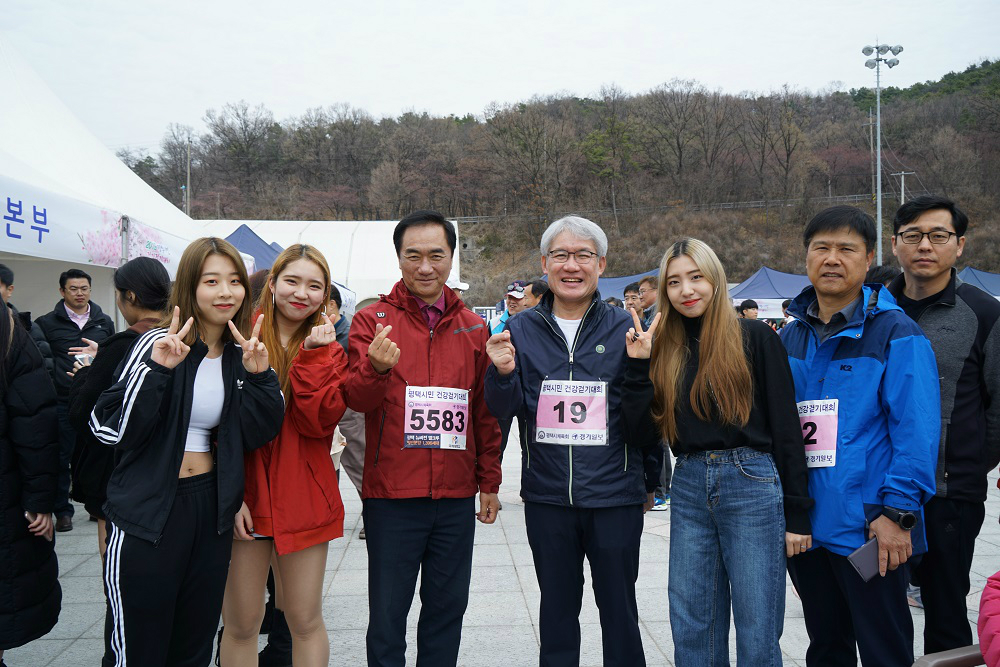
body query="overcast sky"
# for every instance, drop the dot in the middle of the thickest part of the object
(127, 69)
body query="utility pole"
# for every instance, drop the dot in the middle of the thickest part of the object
(902, 184)
(187, 192)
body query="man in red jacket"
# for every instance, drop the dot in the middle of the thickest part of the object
(432, 444)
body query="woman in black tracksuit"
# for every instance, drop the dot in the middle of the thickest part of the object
(187, 403)
(142, 288)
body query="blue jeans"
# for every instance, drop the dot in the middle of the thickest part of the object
(727, 547)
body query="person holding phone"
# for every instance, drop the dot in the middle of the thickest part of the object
(721, 394)
(29, 452)
(142, 291)
(191, 396)
(867, 390)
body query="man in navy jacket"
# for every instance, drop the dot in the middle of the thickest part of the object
(560, 368)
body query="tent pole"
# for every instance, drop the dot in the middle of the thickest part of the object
(124, 234)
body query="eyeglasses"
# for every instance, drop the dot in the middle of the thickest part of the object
(644, 292)
(78, 290)
(562, 256)
(937, 237)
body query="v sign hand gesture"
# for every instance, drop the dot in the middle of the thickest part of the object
(254, 352)
(322, 334)
(171, 350)
(639, 343)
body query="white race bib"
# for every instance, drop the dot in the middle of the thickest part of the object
(572, 412)
(435, 418)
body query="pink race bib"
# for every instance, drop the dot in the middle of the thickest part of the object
(572, 413)
(436, 418)
(819, 431)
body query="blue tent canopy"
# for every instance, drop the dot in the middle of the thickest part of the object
(770, 284)
(247, 241)
(988, 282)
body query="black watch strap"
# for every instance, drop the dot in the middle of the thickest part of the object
(903, 518)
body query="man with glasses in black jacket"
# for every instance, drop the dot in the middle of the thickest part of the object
(961, 322)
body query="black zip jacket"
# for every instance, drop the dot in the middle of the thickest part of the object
(145, 416)
(93, 461)
(773, 426)
(963, 325)
(62, 334)
(621, 473)
(29, 459)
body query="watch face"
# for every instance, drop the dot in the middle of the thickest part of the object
(907, 520)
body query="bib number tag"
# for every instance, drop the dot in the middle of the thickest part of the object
(819, 431)
(572, 413)
(436, 418)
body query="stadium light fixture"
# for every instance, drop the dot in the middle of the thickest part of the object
(875, 64)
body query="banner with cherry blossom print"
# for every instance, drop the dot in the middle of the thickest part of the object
(39, 223)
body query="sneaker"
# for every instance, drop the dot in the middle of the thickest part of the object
(661, 504)
(361, 535)
(913, 597)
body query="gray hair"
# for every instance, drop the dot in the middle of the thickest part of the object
(578, 227)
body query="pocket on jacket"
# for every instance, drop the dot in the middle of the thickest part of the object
(318, 477)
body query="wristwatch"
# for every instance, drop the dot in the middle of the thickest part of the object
(904, 519)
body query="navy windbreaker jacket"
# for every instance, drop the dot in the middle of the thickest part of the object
(580, 476)
(881, 368)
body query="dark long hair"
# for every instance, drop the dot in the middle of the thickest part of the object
(147, 279)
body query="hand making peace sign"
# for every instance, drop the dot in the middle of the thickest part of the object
(254, 352)
(639, 343)
(321, 335)
(171, 350)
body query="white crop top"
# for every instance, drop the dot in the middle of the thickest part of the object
(206, 407)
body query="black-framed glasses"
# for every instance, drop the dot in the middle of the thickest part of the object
(582, 256)
(914, 237)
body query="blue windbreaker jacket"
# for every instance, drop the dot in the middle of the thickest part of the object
(881, 368)
(580, 476)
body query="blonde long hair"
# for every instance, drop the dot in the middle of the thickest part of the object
(184, 292)
(282, 356)
(723, 386)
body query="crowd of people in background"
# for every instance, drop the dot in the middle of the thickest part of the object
(850, 449)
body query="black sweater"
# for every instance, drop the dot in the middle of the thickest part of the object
(773, 426)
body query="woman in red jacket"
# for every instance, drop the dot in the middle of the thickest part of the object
(292, 506)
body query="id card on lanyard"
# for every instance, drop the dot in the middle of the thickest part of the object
(435, 418)
(572, 412)
(819, 431)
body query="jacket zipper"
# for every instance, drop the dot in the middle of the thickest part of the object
(571, 351)
(378, 447)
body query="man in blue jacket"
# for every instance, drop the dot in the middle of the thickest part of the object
(560, 368)
(866, 383)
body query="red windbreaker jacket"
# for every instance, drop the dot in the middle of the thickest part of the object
(291, 485)
(453, 355)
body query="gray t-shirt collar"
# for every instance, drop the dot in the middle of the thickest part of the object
(840, 320)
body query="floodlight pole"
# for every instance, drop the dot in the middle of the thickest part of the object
(878, 161)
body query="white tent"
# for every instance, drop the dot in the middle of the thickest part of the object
(63, 195)
(360, 253)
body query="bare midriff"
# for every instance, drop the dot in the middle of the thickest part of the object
(196, 463)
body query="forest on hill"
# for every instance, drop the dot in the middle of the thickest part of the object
(743, 171)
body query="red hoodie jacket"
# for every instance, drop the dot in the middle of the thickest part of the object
(454, 355)
(291, 485)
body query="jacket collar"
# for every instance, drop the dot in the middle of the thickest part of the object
(401, 297)
(875, 299)
(898, 284)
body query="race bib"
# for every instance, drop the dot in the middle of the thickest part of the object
(572, 413)
(819, 431)
(436, 418)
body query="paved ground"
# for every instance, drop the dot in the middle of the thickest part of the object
(501, 624)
